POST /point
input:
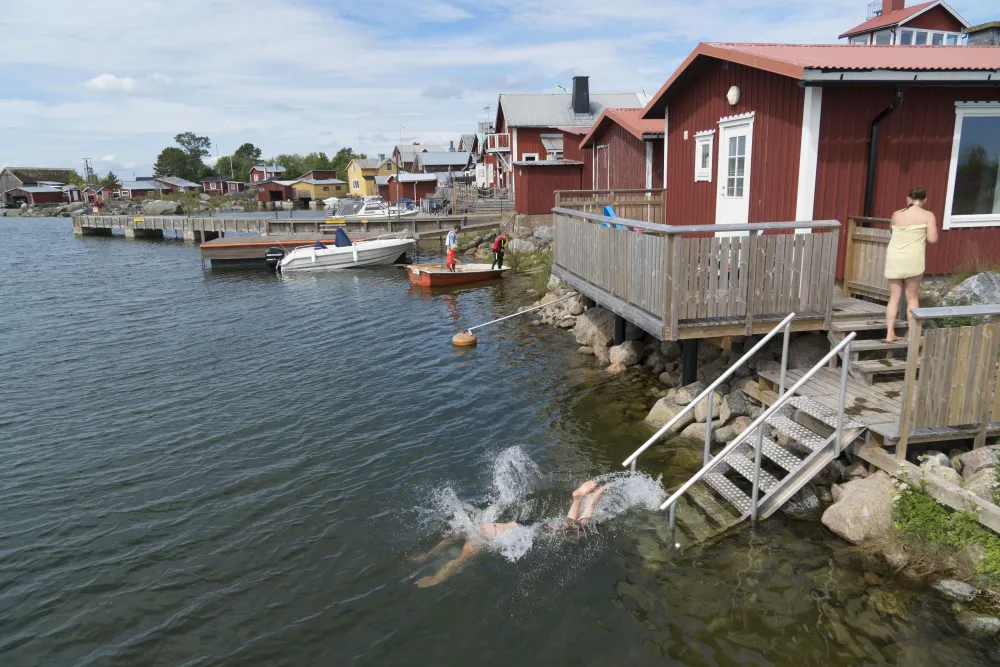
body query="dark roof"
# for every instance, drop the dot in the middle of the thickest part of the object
(35, 174)
(214, 179)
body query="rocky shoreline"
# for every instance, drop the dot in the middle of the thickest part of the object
(851, 502)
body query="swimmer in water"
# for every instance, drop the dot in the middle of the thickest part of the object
(581, 511)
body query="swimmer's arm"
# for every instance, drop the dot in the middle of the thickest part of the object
(451, 567)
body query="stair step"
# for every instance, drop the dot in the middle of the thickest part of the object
(847, 326)
(780, 455)
(877, 345)
(821, 412)
(744, 466)
(729, 491)
(796, 431)
(720, 513)
(880, 366)
(690, 520)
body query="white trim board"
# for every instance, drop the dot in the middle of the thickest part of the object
(649, 165)
(812, 110)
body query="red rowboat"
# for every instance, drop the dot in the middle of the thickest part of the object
(434, 275)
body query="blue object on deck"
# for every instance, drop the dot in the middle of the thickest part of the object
(609, 212)
(342, 240)
(319, 246)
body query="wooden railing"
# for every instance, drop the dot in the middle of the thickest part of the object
(643, 205)
(498, 142)
(864, 263)
(674, 284)
(951, 373)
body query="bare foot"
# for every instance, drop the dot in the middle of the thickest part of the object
(420, 558)
(585, 488)
(427, 582)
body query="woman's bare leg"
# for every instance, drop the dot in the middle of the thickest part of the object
(591, 503)
(911, 288)
(578, 496)
(420, 558)
(451, 567)
(892, 309)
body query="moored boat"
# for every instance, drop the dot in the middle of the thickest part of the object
(345, 254)
(435, 275)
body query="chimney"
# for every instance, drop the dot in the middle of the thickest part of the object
(890, 6)
(451, 146)
(581, 94)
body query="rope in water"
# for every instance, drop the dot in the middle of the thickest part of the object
(466, 337)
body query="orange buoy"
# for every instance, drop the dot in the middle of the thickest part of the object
(464, 339)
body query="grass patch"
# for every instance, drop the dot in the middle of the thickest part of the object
(930, 524)
(973, 261)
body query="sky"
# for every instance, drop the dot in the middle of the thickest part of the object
(115, 80)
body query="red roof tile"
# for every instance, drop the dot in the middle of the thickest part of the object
(893, 18)
(793, 60)
(630, 119)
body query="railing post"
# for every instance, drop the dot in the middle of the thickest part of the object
(708, 429)
(912, 359)
(784, 360)
(756, 473)
(852, 224)
(842, 400)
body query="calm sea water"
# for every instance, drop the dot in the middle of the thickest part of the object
(236, 469)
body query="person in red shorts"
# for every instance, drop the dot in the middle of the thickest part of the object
(452, 260)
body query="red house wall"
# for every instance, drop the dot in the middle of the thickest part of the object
(914, 150)
(698, 104)
(573, 151)
(658, 164)
(394, 191)
(264, 192)
(937, 18)
(626, 157)
(535, 187)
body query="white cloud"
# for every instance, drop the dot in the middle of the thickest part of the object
(211, 160)
(109, 83)
(107, 158)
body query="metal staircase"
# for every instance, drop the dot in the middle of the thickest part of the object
(762, 468)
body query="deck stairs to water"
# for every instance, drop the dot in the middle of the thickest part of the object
(871, 357)
(799, 440)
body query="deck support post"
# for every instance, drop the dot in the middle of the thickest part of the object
(133, 233)
(619, 329)
(689, 357)
(589, 303)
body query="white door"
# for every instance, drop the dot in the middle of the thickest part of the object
(733, 202)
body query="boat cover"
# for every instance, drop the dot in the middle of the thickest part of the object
(341, 239)
(319, 246)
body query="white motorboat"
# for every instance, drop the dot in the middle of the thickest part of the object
(385, 249)
(367, 208)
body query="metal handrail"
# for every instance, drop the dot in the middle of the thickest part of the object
(755, 427)
(786, 324)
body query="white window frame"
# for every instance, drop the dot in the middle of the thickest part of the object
(529, 157)
(706, 137)
(913, 36)
(883, 32)
(927, 35)
(861, 39)
(965, 110)
(355, 184)
(553, 155)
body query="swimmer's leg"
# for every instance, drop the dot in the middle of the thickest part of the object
(590, 504)
(451, 567)
(447, 541)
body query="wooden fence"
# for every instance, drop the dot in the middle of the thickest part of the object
(677, 285)
(642, 205)
(951, 375)
(864, 263)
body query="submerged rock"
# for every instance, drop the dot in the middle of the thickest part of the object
(804, 504)
(974, 624)
(952, 589)
(666, 409)
(864, 509)
(628, 353)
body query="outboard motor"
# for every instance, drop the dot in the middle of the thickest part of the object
(273, 257)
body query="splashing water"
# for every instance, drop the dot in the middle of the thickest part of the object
(514, 480)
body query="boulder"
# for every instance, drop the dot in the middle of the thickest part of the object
(710, 372)
(543, 234)
(949, 474)
(719, 409)
(601, 352)
(615, 368)
(567, 323)
(805, 351)
(670, 349)
(981, 484)
(595, 327)
(957, 591)
(736, 401)
(669, 380)
(707, 352)
(554, 284)
(972, 555)
(666, 409)
(976, 460)
(628, 353)
(864, 510)
(804, 504)
(932, 459)
(574, 306)
(955, 459)
(689, 392)
(831, 473)
(980, 626)
(585, 349)
(204, 197)
(521, 247)
(655, 359)
(696, 431)
(980, 289)
(519, 232)
(854, 471)
(162, 207)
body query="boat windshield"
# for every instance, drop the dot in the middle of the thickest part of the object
(349, 208)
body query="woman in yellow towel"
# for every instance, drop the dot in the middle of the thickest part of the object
(912, 229)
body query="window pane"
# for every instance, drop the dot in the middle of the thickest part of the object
(732, 146)
(732, 166)
(742, 145)
(739, 188)
(976, 180)
(883, 38)
(730, 187)
(906, 37)
(704, 156)
(952, 40)
(937, 39)
(740, 165)
(921, 38)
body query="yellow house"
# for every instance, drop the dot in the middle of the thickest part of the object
(318, 190)
(361, 175)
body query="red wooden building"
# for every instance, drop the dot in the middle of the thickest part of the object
(627, 151)
(530, 127)
(768, 132)
(926, 24)
(275, 190)
(536, 182)
(34, 194)
(408, 186)
(319, 175)
(262, 172)
(220, 185)
(572, 136)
